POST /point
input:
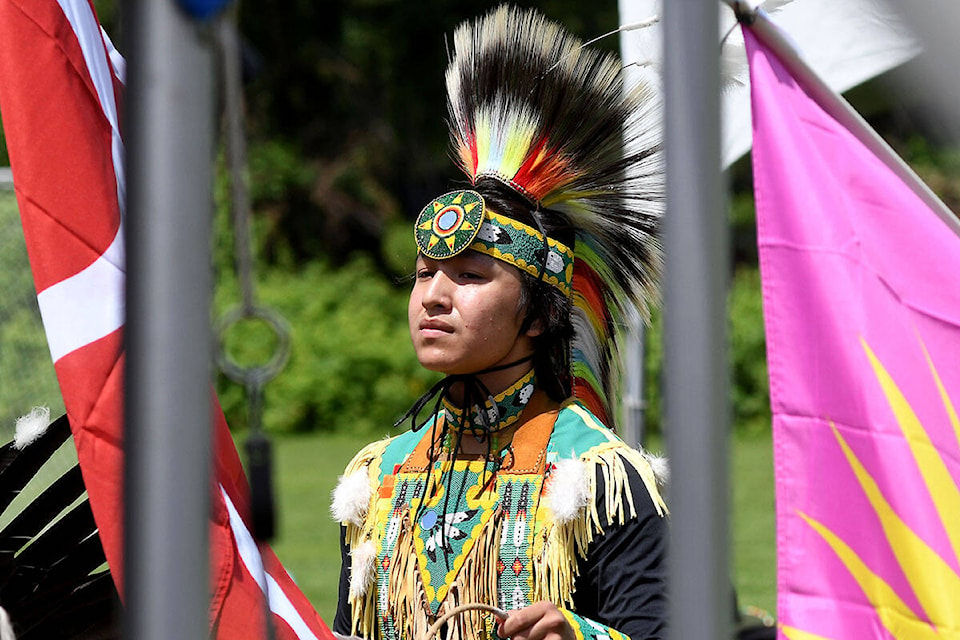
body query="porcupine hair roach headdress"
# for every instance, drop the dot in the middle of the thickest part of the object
(535, 111)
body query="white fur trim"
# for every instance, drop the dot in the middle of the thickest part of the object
(351, 498)
(362, 564)
(569, 489)
(31, 426)
(660, 466)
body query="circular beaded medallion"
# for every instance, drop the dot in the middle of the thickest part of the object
(449, 224)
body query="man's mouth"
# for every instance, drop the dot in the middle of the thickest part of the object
(434, 328)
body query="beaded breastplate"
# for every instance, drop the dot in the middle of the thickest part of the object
(461, 529)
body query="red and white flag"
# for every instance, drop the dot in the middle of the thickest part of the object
(61, 86)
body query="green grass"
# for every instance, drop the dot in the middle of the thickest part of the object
(307, 466)
(752, 521)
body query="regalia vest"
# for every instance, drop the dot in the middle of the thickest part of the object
(425, 538)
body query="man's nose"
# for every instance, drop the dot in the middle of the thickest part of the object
(437, 293)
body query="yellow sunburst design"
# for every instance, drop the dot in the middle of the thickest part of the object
(943, 490)
(934, 582)
(951, 412)
(796, 634)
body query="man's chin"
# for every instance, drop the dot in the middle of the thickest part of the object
(442, 366)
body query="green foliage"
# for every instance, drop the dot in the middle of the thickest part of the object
(743, 227)
(938, 166)
(16, 280)
(748, 365)
(399, 251)
(276, 168)
(653, 373)
(351, 366)
(748, 375)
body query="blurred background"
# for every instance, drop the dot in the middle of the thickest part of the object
(346, 135)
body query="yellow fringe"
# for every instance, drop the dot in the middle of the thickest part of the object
(557, 550)
(559, 546)
(407, 605)
(476, 582)
(363, 609)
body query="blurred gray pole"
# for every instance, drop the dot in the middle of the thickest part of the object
(170, 125)
(696, 247)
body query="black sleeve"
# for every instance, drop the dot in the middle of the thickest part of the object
(342, 620)
(623, 581)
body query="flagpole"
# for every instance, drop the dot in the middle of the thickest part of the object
(170, 119)
(696, 371)
(835, 105)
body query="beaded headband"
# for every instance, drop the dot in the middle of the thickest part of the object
(460, 220)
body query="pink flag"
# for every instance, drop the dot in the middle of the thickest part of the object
(60, 89)
(861, 292)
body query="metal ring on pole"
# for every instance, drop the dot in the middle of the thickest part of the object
(253, 375)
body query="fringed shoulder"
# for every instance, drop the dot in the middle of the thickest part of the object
(579, 434)
(588, 478)
(351, 497)
(368, 454)
(351, 507)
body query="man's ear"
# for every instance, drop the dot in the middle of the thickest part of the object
(535, 329)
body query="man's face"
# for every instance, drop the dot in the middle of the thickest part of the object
(464, 314)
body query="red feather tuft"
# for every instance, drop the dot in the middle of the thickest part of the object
(588, 396)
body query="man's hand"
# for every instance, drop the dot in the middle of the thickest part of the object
(539, 621)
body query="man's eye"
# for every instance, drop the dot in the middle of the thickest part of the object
(469, 275)
(424, 274)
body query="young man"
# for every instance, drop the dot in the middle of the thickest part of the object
(513, 493)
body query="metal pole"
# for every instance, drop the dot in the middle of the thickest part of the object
(696, 381)
(170, 120)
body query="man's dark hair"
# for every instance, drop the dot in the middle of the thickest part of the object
(539, 300)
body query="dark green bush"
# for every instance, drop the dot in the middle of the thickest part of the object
(351, 365)
(748, 364)
(748, 353)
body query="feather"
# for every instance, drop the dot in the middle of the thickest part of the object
(351, 498)
(31, 426)
(52, 578)
(660, 466)
(535, 109)
(6, 630)
(569, 489)
(362, 568)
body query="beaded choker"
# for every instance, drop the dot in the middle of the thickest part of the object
(501, 410)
